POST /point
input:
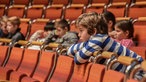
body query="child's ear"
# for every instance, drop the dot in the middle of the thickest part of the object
(127, 33)
(95, 31)
(66, 28)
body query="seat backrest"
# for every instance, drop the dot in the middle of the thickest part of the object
(80, 72)
(15, 58)
(38, 24)
(29, 62)
(63, 70)
(6, 2)
(140, 51)
(85, 2)
(96, 73)
(113, 76)
(76, 11)
(132, 80)
(45, 66)
(3, 54)
(54, 12)
(25, 26)
(139, 34)
(2, 10)
(37, 11)
(21, 2)
(136, 10)
(100, 1)
(16, 10)
(64, 2)
(40, 2)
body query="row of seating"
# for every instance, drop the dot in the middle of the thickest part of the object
(65, 2)
(26, 65)
(60, 11)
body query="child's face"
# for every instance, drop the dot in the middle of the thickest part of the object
(3, 26)
(60, 32)
(11, 28)
(83, 34)
(120, 34)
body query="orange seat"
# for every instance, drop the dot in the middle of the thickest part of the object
(140, 51)
(40, 2)
(96, 73)
(25, 25)
(2, 10)
(36, 25)
(3, 54)
(85, 2)
(60, 2)
(76, 10)
(16, 10)
(131, 80)
(6, 2)
(35, 11)
(12, 64)
(80, 72)
(44, 68)
(21, 2)
(56, 12)
(137, 9)
(27, 66)
(113, 76)
(63, 70)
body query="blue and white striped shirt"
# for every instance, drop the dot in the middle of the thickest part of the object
(83, 51)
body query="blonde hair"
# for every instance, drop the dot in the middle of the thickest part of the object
(14, 20)
(91, 21)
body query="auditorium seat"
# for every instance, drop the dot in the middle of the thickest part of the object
(16, 10)
(40, 2)
(25, 25)
(60, 2)
(131, 80)
(54, 12)
(139, 31)
(63, 70)
(21, 2)
(73, 11)
(96, 73)
(85, 2)
(35, 11)
(139, 50)
(102, 2)
(113, 76)
(44, 69)
(2, 10)
(80, 72)
(137, 10)
(27, 66)
(3, 54)
(13, 63)
(37, 24)
(5, 2)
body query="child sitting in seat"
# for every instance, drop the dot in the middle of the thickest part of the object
(124, 33)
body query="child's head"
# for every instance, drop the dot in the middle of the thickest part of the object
(3, 23)
(13, 24)
(90, 24)
(124, 30)
(62, 26)
(48, 28)
(110, 17)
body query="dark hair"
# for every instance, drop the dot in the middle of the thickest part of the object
(93, 21)
(49, 26)
(62, 24)
(126, 25)
(109, 16)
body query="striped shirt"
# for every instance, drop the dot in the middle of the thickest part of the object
(83, 51)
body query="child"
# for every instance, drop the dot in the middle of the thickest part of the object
(40, 35)
(94, 29)
(124, 33)
(110, 18)
(13, 24)
(62, 35)
(3, 24)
